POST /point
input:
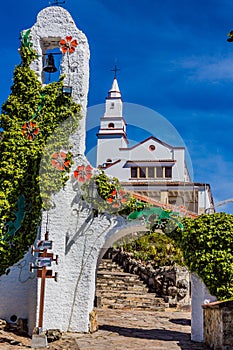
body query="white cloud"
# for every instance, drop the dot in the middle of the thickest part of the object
(206, 68)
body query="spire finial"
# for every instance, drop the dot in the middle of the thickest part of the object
(57, 2)
(115, 70)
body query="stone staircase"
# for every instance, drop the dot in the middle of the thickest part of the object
(117, 289)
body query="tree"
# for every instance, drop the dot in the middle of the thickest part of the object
(207, 246)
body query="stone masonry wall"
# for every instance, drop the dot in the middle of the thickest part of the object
(218, 325)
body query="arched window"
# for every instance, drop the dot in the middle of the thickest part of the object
(111, 125)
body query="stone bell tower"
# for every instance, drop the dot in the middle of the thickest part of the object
(20, 290)
(54, 24)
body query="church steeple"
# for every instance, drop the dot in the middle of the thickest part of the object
(114, 103)
(112, 132)
(114, 92)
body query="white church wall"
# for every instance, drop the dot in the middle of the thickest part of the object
(104, 124)
(113, 108)
(108, 149)
(118, 170)
(203, 199)
(142, 151)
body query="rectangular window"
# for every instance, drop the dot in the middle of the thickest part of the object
(142, 172)
(159, 171)
(151, 172)
(168, 171)
(134, 172)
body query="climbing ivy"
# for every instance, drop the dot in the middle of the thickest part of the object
(207, 246)
(29, 118)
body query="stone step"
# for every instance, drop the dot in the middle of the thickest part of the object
(131, 304)
(119, 285)
(109, 265)
(119, 280)
(143, 298)
(119, 277)
(118, 289)
(131, 307)
(117, 274)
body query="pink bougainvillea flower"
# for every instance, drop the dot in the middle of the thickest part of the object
(30, 130)
(60, 161)
(68, 45)
(83, 173)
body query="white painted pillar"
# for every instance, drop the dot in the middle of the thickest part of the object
(199, 295)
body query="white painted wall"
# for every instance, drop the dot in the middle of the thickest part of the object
(53, 24)
(18, 293)
(108, 148)
(199, 296)
(142, 152)
(178, 169)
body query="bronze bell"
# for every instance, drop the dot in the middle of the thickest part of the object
(50, 66)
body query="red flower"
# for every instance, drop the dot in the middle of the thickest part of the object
(30, 130)
(83, 173)
(68, 45)
(116, 198)
(113, 193)
(60, 161)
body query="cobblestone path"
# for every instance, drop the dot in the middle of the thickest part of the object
(123, 330)
(134, 330)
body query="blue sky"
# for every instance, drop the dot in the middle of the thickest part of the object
(173, 58)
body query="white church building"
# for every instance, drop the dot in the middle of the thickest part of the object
(150, 168)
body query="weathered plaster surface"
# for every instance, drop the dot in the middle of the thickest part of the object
(53, 24)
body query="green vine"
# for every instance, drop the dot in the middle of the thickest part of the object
(32, 137)
(111, 196)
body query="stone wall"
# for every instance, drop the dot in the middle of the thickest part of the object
(170, 282)
(218, 325)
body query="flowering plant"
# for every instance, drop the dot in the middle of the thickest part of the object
(30, 130)
(68, 45)
(83, 173)
(61, 161)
